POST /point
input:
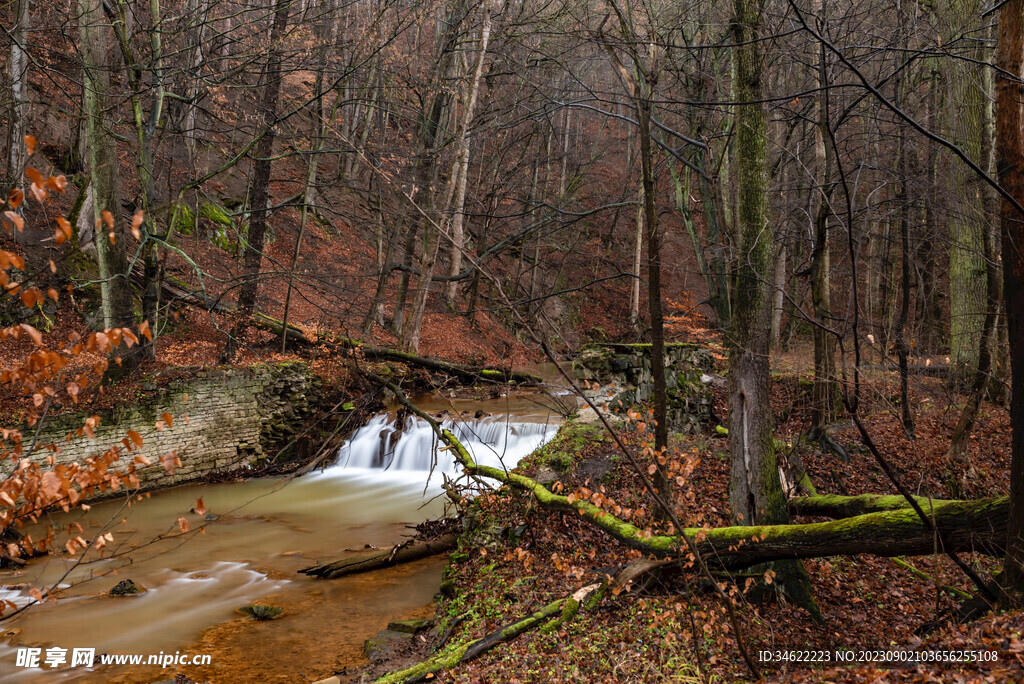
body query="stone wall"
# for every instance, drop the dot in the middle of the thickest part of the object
(223, 420)
(624, 371)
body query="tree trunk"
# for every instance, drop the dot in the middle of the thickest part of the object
(145, 130)
(967, 272)
(638, 251)
(825, 393)
(903, 208)
(435, 110)
(755, 490)
(309, 193)
(458, 237)
(115, 291)
(19, 94)
(778, 296)
(261, 183)
(1010, 162)
(660, 392)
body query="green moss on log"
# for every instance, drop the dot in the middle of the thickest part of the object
(835, 506)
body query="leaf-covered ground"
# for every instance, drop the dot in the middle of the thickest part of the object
(674, 628)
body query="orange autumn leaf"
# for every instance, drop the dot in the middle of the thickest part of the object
(170, 462)
(39, 192)
(183, 524)
(15, 198)
(36, 336)
(58, 183)
(137, 220)
(168, 418)
(63, 233)
(135, 437)
(30, 144)
(200, 507)
(18, 222)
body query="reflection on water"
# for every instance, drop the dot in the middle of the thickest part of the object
(249, 544)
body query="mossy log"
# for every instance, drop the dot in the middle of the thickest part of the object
(460, 653)
(385, 558)
(547, 619)
(276, 326)
(966, 526)
(552, 615)
(835, 506)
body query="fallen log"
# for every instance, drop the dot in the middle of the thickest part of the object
(297, 336)
(548, 618)
(835, 506)
(385, 558)
(470, 373)
(965, 526)
(467, 372)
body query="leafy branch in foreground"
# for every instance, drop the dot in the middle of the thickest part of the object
(35, 477)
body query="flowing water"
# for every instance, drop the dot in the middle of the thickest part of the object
(247, 547)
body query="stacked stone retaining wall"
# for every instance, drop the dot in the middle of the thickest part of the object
(223, 420)
(624, 371)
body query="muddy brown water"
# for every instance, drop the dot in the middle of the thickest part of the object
(246, 549)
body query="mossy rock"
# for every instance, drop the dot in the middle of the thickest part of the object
(214, 213)
(126, 587)
(410, 626)
(260, 612)
(184, 219)
(224, 238)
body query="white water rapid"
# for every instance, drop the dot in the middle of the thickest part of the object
(261, 532)
(410, 449)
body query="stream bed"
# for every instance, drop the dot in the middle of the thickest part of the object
(244, 545)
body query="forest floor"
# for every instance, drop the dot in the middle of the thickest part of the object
(673, 628)
(665, 631)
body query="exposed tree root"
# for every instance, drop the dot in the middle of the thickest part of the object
(952, 591)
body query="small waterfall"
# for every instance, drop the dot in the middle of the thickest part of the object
(495, 441)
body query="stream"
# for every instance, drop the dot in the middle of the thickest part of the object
(246, 547)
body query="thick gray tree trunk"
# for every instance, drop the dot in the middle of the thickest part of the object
(115, 291)
(755, 490)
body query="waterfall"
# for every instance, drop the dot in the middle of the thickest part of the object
(495, 441)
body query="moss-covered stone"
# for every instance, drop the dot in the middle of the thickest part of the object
(184, 219)
(410, 626)
(215, 214)
(259, 611)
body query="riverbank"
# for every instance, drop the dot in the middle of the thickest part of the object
(669, 625)
(204, 550)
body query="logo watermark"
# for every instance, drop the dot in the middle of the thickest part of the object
(86, 657)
